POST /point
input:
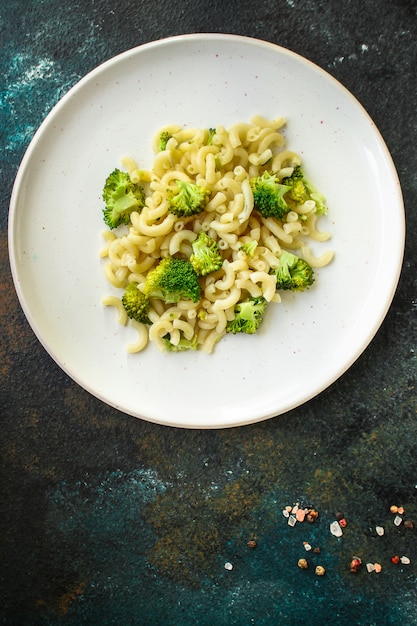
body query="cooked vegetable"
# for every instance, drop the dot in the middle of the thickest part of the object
(293, 272)
(269, 196)
(121, 197)
(183, 344)
(301, 190)
(172, 280)
(136, 304)
(249, 315)
(206, 256)
(164, 137)
(190, 199)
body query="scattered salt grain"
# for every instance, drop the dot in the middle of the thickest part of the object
(285, 513)
(405, 560)
(397, 520)
(379, 530)
(228, 566)
(355, 564)
(370, 567)
(292, 520)
(307, 546)
(335, 529)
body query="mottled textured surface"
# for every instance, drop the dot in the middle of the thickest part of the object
(106, 519)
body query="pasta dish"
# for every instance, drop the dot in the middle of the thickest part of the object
(236, 170)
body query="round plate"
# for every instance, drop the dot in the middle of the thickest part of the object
(55, 228)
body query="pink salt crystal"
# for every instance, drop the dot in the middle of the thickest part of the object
(377, 567)
(300, 515)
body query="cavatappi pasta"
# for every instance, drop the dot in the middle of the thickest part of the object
(224, 166)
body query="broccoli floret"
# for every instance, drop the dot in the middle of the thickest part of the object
(206, 256)
(136, 304)
(183, 344)
(249, 315)
(190, 199)
(164, 137)
(249, 248)
(268, 196)
(172, 280)
(293, 272)
(301, 190)
(211, 133)
(121, 197)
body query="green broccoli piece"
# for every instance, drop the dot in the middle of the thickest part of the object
(172, 280)
(136, 304)
(293, 272)
(301, 190)
(211, 133)
(249, 315)
(183, 344)
(190, 199)
(206, 256)
(249, 248)
(121, 197)
(164, 137)
(268, 196)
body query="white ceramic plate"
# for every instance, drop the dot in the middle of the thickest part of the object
(55, 229)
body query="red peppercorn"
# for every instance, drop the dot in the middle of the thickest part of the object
(395, 560)
(342, 523)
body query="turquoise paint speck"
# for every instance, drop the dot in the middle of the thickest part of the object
(31, 87)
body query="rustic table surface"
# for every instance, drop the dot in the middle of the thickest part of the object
(109, 519)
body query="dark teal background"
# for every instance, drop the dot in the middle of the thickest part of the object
(106, 519)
